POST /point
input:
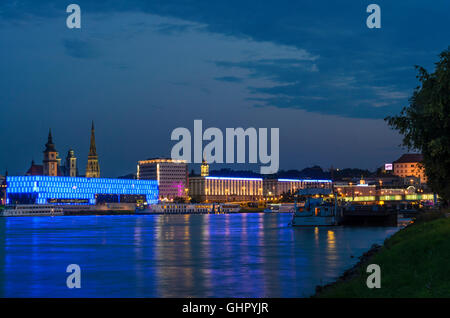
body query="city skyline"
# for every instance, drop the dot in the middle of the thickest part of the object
(224, 157)
(191, 166)
(139, 71)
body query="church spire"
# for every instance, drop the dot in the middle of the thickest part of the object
(92, 168)
(49, 146)
(50, 162)
(92, 148)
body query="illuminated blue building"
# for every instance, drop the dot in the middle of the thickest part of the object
(74, 190)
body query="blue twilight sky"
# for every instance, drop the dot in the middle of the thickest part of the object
(140, 69)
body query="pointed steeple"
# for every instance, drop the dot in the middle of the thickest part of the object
(92, 148)
(50, 146)
(92, 168)
(50, 162)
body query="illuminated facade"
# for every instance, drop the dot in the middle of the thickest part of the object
(92, 168)
(228, 189)
(170, 174)
(276, 187)
(354, 190)
(224, 189)
(408, 165)
(204, 169)
(83, 191)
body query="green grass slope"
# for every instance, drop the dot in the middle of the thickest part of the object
(414, 262)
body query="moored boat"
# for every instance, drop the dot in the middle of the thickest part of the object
(32, 210)
(228, 208)
(187, 208)
(280, 207)
(175, 208)
(319, 209)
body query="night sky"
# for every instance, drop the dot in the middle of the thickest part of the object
(140, 69)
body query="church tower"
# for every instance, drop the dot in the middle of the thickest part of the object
(50, 157)
(92, 168)
(204, 169)
(71, 164)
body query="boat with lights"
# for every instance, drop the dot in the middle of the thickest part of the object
(186, 208)
(320, 208)
(32, 210)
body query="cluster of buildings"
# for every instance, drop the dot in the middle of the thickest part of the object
(166, 179)
(380, 189)
(52, 165)
(404, 175)
(175, 183)
(57, 183)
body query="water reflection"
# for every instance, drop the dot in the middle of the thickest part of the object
(225, 255)
(331, 244)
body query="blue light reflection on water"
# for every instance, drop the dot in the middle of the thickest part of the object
(226, 255)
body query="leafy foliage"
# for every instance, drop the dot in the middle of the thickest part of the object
(425, 124)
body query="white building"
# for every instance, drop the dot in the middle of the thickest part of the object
(171, 175)
(225, 189)
(276, 187)
(228, 189)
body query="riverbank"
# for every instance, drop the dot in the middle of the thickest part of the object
(413, 263)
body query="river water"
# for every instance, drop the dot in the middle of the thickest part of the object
(221, 255)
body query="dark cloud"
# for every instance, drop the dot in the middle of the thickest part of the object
(278, 70)
(316, 56)
(347, 61)
(303, 85)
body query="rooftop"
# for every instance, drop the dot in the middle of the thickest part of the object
(161, 160)
(410, 157)
(35, 170)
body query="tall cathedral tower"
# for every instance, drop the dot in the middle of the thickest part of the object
(92, 168)
(50, 157)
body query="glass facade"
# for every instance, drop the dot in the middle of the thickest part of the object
(74, 190)
(171, 175)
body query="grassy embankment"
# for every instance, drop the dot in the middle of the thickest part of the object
(414, 262)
